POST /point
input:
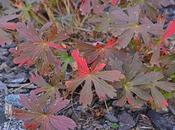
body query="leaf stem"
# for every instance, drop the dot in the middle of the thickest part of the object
(107, 108)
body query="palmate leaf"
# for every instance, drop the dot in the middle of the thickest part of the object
(155, 83)
(137, 82)
(151, 7)
(98, 53)
(132, 70)
(128, 26)
(38, 114)
(93, 77)
(35, 50)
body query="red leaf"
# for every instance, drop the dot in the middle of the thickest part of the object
(170, 31)
(81, 62)
(114, 2)
(99, 67)
(11, 26)
(111, 43)
(130, 101)
(165, 103)
(29, 126)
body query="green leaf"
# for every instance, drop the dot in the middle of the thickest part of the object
(167, 95)
(66, 60)
(114, 126)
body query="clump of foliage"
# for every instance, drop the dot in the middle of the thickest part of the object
(105, 45)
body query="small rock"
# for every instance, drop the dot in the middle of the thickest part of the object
(9, 62)
(110, 117)
(172, 106)
(13, 99)
(126, 121)
(3, 52)
(19, 78)
(12, 125)
(2, 116)
(2, 85)
(4, 66)
(159, 121)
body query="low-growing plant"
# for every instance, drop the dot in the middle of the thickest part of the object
(112, 49)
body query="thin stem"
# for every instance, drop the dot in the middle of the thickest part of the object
(106, 106)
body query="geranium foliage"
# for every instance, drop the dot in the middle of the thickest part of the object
(138, 80)
(38, 114)
(93, 76)
(35, 50)
(119, 51)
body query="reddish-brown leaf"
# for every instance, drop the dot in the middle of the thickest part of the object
(98, 53)
(35, 50)
(40, 115)
(128, 25)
